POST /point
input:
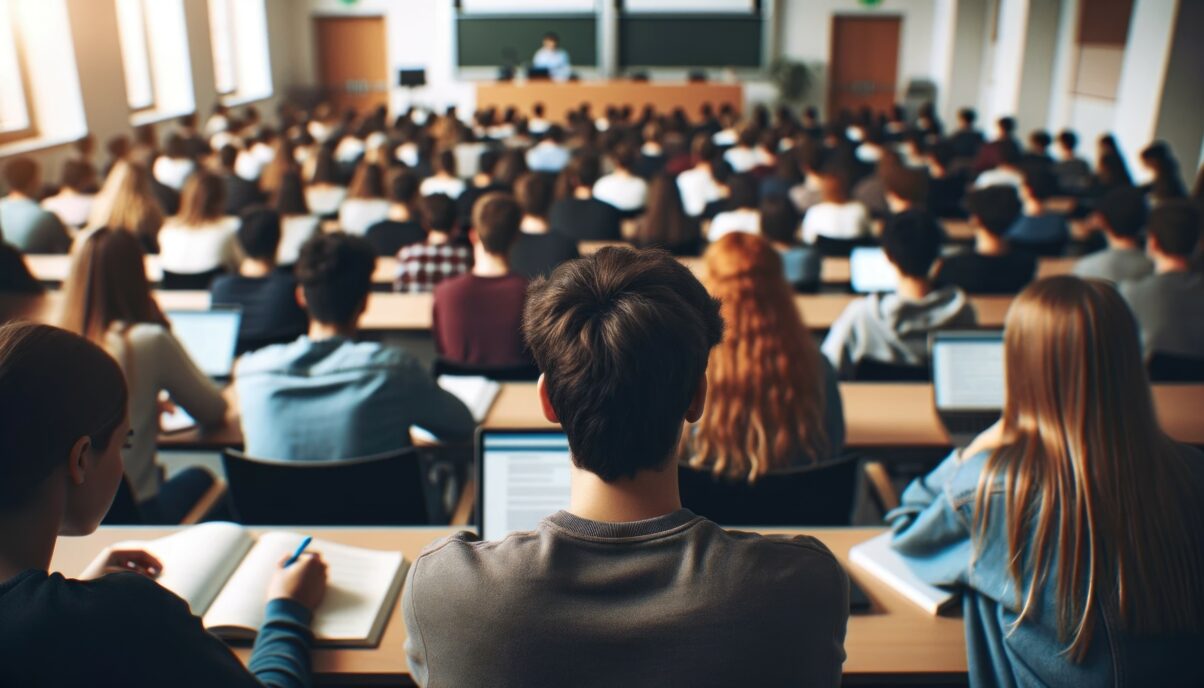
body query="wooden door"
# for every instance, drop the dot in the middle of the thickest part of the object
(353, 64)
(864, 63)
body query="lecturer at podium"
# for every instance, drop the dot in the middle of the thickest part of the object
(552, 58)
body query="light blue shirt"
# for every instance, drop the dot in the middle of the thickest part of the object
(547, 157)
(340, 399)
(32, 228)
(555, 60)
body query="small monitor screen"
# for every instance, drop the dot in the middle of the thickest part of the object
(967, 371)
(524, 477)
(871, 272)
(209, 337)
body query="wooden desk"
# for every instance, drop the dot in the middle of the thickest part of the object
(897, 639)
(560, 98)
(55, 268)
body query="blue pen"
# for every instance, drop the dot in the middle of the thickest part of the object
(300, 548)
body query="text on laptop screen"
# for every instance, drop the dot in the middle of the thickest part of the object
(209, 337)
(967, 371)
(870, 271)
(524, 477)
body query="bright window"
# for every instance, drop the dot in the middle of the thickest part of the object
(14, 107)
(135, 54)
(239, 32)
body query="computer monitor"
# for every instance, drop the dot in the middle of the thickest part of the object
(967, 380)
(870, 272)
(411, 78)
(209, 337)
(522, 476)
(538, 74)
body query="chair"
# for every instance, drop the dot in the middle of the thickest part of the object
(841, 247)
(870, 370)
(820, 495)
(125, 512)
(196, 282)
(385, 489)
(1045, 249)
(526, 372)
(1173, 368)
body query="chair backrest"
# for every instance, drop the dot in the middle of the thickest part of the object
(520, 373)
(820, 495)
(385, 489)
(1172, 368)
(841, 247)
(195, 282)
(870, 370)
(1046, 249)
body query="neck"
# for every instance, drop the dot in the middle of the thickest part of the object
(534, 225)
(18, 195)
(320, 330)
(28, 536)
(437, 238)
(481, 180)
(399, 213)
(486, 264)
(583, 193)
(1033, 207)
(913, 288)
(897, 205)
(1120, 243)
(648, 495)
(1164, 263)
(256, 267)
(988, 244)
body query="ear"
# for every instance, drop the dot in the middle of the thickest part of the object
(698, 403)
(544, 403)
(473, 238)
(300, 294)
(77, 465)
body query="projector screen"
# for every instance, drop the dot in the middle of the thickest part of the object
(527, 6)
(691, 6)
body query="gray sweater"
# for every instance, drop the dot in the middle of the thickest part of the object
(669, 601)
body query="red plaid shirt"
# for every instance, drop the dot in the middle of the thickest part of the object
(422, 266)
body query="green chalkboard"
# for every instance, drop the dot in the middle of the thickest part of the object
(491, 41)
(676, 40)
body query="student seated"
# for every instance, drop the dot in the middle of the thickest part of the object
(482, 182)
(780, 225)
(325, 195)
(327, 396)
(579, 215)
(743, 209)
(477, 316)
(26, 225)
(422, 266)
(22, 296)
(665, 224)
(61, 461)
(126, 203)
(1169, 304)
(836, 217)
(1121, 213)
(905, 188)
(77, 193)
(767, 370)
(894, 328)
(549, 155)
(1073, 173)
(946, 184)
(746, 155)
(365, 204)
(698, 185)
(240, 193)
(1039, 230)
(1007, 170)
(598, 594)
(445, 180)
(1074, 536)
(538, 250)
(201, 238)
(992, 267)
(297, 224)
(173, 168)
(267, 296)
(403, 225)
(622, 188)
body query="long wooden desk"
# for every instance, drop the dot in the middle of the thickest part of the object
(897, 640)
(55, 268)
(561, 98)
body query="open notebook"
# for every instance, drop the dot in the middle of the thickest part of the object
(876, 557)
(222, 570)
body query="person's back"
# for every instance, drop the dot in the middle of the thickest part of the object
(585, 219)
(992, 267)
(25, 224)
(1121, 213)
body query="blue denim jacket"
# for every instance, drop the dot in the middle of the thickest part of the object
(340, 399)
(932, 530)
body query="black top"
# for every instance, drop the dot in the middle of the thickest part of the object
(167, 197)
(388, 236)
(270, 314)
(534, 255)
(981, 274)
(240, 194)
(648, 166)
(585, 219)
(945, 195)
(466, 200)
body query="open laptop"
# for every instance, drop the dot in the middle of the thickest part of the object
(967, 381)
(870, 272)
(209, 337)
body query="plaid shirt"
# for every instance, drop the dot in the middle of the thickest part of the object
(422, 266)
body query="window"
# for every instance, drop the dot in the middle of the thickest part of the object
(135, 54)
(238, 30)
(154, 51)
(15, 119)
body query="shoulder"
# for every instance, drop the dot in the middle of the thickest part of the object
(792, 559)
(105, 604)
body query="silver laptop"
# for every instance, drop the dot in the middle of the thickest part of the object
(967, 381)
(870, 272)
(210, 338)
(522, 476)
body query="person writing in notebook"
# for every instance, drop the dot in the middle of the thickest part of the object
(63, 423)
(598, 594)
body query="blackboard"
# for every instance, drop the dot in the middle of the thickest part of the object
(677, 40)
(492, 41)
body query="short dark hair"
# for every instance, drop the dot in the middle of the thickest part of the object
(259, 233)
(1124, 210)
(496, 218)
(742, 191)
(78, 175)
(1040, 182)
(912, 241)
(1009, 153)
(1007, 124)
(622, 338)
(779, 219)
(551, 36)
(1040, 139)
(996, 207)
(967, 115)
(335, 272)
(440, 211)
(1175, 224)
(908, 183)
(533, 191)
(1068, 139)
(404, 188)
(488, 160)
(624, 156)
(20, 174)
(228, 156)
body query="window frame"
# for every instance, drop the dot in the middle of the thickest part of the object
(147, 51)
(30, 130)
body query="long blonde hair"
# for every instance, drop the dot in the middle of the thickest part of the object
(125, 202)
(1090, 480)
(765, 387)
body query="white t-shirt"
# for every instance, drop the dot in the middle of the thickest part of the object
(697, 188)
(848, 220)
(441, 185)
(349, 150)
(325, 200)
(999, 177)
(744, 159)
(172, 172)
(248, 166)
(626, 192)
(739, 220)
(356, 215)
(191, 250)
(72, 209)
(295, 230)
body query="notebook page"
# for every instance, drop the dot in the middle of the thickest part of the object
(475, 391)
(876, 557)
(197, 560)
(240, 604)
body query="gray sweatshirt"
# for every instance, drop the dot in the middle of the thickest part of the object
(890, 329)
(669, 601)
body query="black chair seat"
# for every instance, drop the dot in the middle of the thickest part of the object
(190, 281)
(819, 495)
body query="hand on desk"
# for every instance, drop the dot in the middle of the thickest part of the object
(304, 582)
(123, 560)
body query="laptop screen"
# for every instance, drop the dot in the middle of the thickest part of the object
(524, 476)
(871, 272)
(967, 370)
(209, 337)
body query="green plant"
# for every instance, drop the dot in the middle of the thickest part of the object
(792, 79)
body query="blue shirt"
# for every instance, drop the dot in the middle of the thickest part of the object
(556, 61)
(1039, 229)
(933, 531)
(547, 157)
(340, 399)
(31, 228)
